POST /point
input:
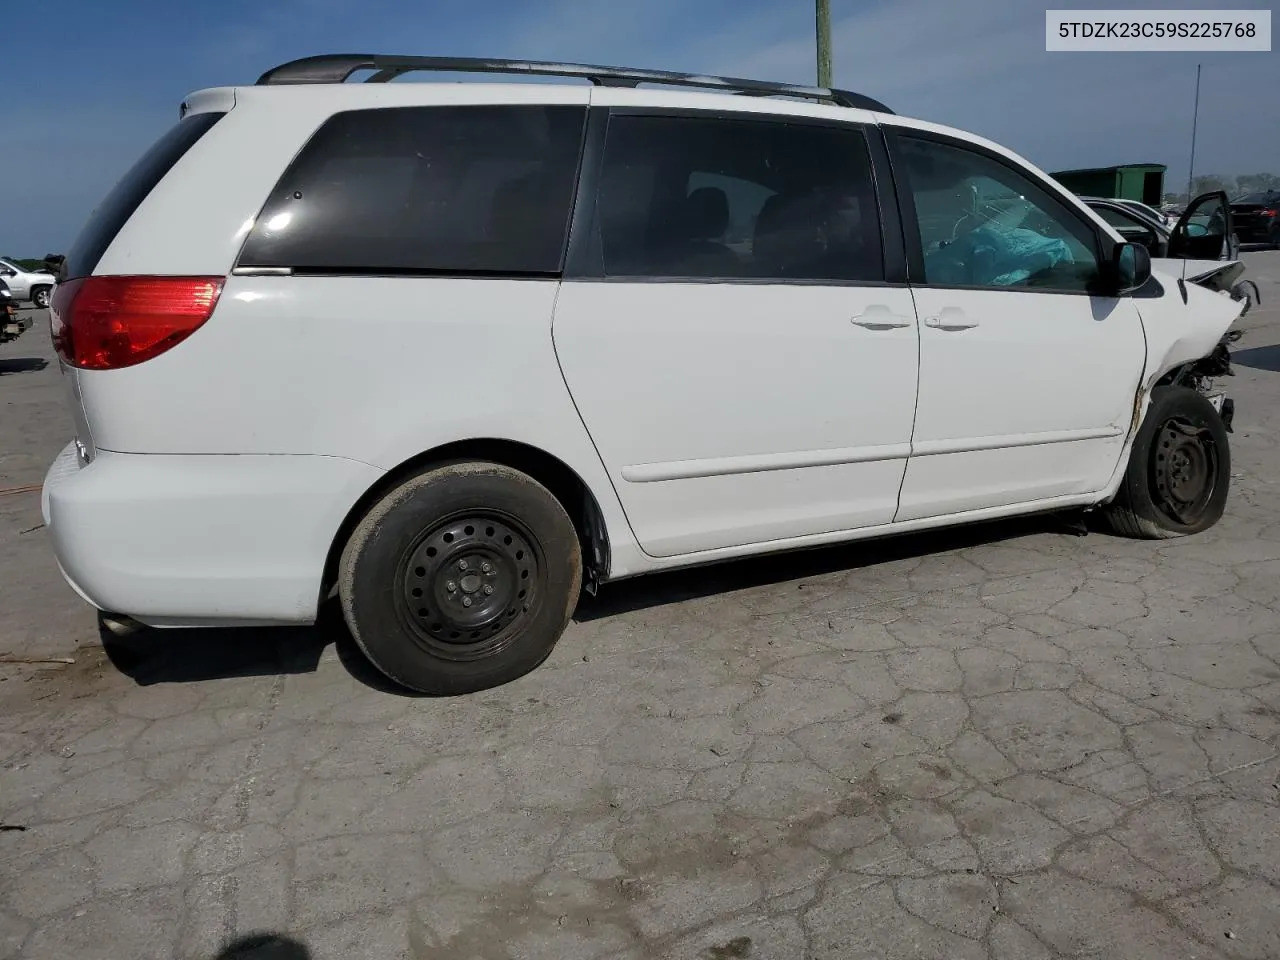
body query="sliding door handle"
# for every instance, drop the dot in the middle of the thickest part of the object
(880, 317)
(950, 318)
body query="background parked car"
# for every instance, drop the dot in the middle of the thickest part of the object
(1202, 244)
(33, 285)
(1257, 217)
(1207, 227)
(1167, 219)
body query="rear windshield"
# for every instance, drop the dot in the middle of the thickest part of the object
(476, 190)
(112, 214)
(1263, 196)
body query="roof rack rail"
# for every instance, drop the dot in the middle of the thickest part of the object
(338, 67)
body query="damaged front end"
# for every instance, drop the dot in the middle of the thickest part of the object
(1225, 279)
(1202, 373)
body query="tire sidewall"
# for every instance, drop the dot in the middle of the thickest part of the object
(372, 562)
(1167, 402)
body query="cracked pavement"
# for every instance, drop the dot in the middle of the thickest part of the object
(1000, 743)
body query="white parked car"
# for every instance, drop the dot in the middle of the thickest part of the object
(453, 350)
(30, 285)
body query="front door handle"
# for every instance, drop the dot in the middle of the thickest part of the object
(880, 317)
(950, 318)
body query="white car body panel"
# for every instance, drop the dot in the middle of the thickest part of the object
(1188, 269)
(216, 476)
(775, 414)
(252, 533)
(1178, 332)
(1031, 403)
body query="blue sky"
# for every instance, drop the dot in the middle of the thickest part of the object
(104, 77)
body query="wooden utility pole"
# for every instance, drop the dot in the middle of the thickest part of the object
(824, 42)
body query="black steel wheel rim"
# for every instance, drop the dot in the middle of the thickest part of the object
(1185, 471)
(467, 586)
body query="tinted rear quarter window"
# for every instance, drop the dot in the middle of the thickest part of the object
(114, 212)
(468, 190)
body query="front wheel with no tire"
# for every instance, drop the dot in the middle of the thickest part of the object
(1179, 469)
(461, 578)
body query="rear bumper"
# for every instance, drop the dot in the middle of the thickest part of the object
(1259, 232)
(199, 540)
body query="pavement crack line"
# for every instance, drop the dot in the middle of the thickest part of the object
(228, 885)
(1154, 795)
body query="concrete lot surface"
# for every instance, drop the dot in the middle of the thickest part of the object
(1006, 743)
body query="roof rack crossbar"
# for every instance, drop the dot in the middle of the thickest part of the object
(337, 68)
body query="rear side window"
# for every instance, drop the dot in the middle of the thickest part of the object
(475, 190)
(728, 198)
(127, 195)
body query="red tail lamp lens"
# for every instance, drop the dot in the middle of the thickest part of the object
(105, 323)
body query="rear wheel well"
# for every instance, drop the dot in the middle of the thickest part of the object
(563, 482)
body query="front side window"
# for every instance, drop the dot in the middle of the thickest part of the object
(710, 198)
(438, 190)
(984, 224)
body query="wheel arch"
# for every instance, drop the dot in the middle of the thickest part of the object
(553, 473)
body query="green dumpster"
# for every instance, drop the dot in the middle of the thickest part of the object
(1143, 182)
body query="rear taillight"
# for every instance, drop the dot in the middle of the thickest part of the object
(1270, 213)
(104, 323)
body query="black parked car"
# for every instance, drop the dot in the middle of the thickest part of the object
(1257, 217)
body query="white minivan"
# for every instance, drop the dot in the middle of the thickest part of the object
(456, 351)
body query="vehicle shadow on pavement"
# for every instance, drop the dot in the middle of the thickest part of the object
(22, 365)
(151, 657)
(690, 584)
(1258, 358)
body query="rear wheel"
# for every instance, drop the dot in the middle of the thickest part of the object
(1179, 469)
(461, 578)
(40, 297)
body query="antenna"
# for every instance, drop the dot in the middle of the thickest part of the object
(1195, 118)
(1191, 166)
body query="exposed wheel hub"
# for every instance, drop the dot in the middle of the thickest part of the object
(1185, 470)
(467, 582)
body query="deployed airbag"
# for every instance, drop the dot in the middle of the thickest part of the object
(989, 257)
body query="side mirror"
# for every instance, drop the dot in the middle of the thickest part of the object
(1130, 267)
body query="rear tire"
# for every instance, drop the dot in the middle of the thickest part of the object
(40, 297)
(460, 579)
(1179, 470)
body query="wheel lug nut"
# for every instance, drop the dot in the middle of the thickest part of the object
(488, 589)
(466, 601)
(485, 567)
(462, 564)
(451, 586)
